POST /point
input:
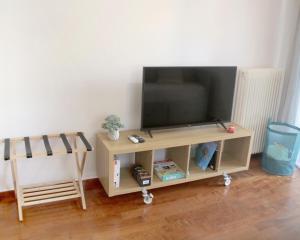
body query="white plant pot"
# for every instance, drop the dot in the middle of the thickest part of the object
(114, 136)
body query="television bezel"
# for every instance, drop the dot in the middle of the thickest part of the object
(191, 124)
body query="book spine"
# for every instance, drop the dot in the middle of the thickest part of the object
(117, 166)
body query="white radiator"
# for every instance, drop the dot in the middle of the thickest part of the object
(257, 98)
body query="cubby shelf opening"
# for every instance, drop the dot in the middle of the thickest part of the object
(127, 181)
(231, 158)
(195, 170)
(179, 155)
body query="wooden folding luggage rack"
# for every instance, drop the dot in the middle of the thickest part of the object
(38, 194)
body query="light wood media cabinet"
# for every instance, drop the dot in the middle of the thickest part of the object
(233, 155)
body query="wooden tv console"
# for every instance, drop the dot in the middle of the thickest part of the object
(233, 155)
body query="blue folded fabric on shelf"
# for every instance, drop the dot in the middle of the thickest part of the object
(204, 154)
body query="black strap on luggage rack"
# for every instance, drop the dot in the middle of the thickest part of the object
(27, 147)
(66, 143)
(47, 145)
(6, 149)
(86, 143)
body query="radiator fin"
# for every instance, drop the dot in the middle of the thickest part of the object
(257, 98)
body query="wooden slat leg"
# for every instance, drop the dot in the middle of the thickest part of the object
(17, 184)
(82, 194)
(14, 178)
(17, 190)
(79, 173)
(83, 163)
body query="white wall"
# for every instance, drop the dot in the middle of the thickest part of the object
(66, 64)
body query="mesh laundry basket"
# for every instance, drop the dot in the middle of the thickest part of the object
(281, 148)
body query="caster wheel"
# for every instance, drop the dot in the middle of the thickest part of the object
(227, 182)
(148, 200)
(227, 179)
(147, 196)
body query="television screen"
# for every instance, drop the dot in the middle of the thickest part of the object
(184, 96)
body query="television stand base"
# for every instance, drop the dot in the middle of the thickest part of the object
(232, 155)
(150, 134)
(219, 121)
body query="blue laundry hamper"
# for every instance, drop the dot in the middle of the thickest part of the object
(281, 148)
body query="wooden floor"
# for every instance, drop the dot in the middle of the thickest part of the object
(255, 206)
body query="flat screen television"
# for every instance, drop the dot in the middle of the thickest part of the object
(186, 96)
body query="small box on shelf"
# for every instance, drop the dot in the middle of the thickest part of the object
(168, 170)
(142, 176)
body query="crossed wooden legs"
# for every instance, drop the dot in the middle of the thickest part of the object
(80, 168)
(49, 193)
(17, 187)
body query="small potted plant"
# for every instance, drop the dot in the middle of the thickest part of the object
(113, 124)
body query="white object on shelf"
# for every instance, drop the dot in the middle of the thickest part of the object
(133, 139)
(117, 172)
